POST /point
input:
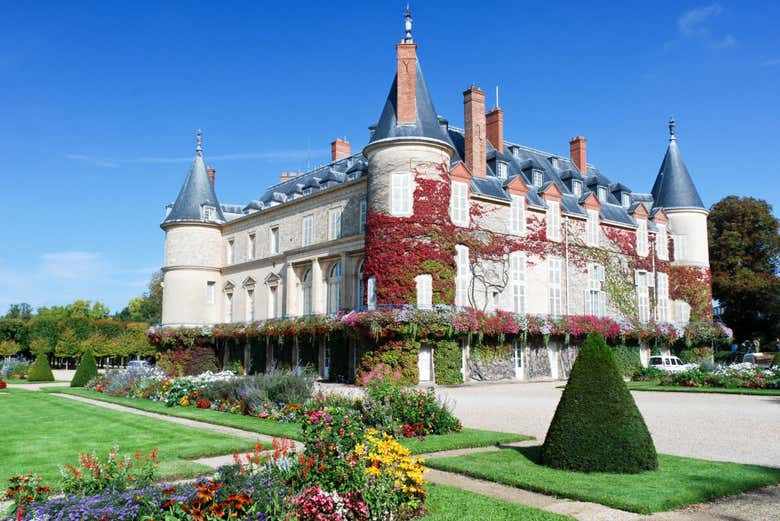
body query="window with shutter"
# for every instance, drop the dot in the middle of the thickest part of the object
(424, 291)
(459, 204)
(401, 194)
(642, 295)
(592, 228)
(662, 242)
(462, 275)
(517, 223)
(554, 286)
(553, 220)
(641, 237)
(517, 268)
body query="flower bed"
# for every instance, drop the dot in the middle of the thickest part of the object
(745, 376)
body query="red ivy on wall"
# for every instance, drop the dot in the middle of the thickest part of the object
(693, 285)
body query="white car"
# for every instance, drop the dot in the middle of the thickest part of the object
(670, 364)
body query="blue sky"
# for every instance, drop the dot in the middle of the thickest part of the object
(101, 100)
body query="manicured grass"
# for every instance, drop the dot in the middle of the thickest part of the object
(654, 385)
(40, 432)
(26, 381)
(466, 438)
(677, 482)
(453, 504)
(456, 440)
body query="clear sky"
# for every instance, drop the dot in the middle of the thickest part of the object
(99, 103)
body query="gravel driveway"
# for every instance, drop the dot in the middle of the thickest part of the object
(724, 427)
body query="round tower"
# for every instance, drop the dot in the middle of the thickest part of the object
(193, 250)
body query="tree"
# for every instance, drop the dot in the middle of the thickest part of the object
(597, 427)
(9, 348)
(68, 346)
(21, 311)
(745, 258)
(40, 371)
(148, 307)
(86, 371)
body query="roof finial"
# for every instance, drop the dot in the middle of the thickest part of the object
(497, 105)
(671, 128)
(408, 24)
(199, 142)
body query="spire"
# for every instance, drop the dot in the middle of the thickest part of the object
(197, 200)
(408, 25)
(673, 187)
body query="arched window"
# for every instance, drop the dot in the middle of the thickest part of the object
(334, 288)
(360, 296)
(306, 301)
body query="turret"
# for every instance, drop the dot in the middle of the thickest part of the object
(675, 192)
(193, 247)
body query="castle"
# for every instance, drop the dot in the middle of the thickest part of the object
(430, 214)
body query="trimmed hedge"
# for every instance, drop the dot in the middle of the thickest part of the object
(86, 371)
(40, 371)
(597, 426)
(627, 358)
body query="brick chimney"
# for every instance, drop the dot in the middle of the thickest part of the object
(286, 177)
(406, 85)
(578, 153)
(474, 117)
(339, 149)
(495, 128)
(212, 174)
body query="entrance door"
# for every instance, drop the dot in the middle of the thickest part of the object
(518, 360)
(424, 364)
(326, 363)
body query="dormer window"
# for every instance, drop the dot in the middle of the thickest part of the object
(208, 213)
(538, 178)
(306, 191)
(554, 162)
(501, 169)
(625, 199)
(602, 193)
(576, 187)
(516, 151)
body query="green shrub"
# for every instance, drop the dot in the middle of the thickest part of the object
(86, 371)
(647, 373)
(597, 426)
(40, 371)
(627, 358)
(447, 362)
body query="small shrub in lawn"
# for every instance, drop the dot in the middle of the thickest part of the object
(40, 371)
(597, 426)
(86, 371)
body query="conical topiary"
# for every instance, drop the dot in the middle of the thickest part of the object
(597, 426)
(86, 371)
(40, 371)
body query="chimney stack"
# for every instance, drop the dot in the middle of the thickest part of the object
(474, 117)
(578, 153)
(286, 177)
(406, 83)
(495, 129)
(212, 174)
(339, 149)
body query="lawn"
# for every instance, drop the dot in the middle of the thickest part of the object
(453, 504)
(677, 482)
(40, 432)
(458, 440)
(654, 385)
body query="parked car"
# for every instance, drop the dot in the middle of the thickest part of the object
(138, 364)
(670, 364)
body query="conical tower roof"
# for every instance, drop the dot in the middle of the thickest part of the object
(197, 193)
(674, 187)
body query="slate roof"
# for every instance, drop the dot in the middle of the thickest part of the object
(196, 193)
(674, 187)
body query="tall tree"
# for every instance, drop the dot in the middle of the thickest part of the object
(21, 311)
(745, 257)
(148, 307)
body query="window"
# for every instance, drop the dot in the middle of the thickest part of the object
(459, 204)
(641, 237)
(273, 295)
(401, 194)
(463, 269)
(592, 228)
(229, 306)
(306, 294)
(210, 285)
(517, 265)
(554, 220)
(371, 293)
(517, 215)
(250, 247)
(308, 223)
(662, 311)
(625, 199)
(595, 298)
(554, 162)
(662, 242)
(209, 213)
(682, 312)
(424, 291)
(501, 169)
(576, 187)
(554, 286)
(360, 286)
(642, 295)
(516, 151)
(334, 288)
(363, 213)
(231, 251)
(274, 241)
(334, 224)
(538, 178)
(250, 304)
(680, 247)
(601, 191)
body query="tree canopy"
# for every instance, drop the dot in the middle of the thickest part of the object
(147, 307)
(744, 243)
